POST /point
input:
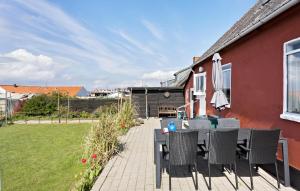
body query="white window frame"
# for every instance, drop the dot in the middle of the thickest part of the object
(223, 66)
(204, 83)
(287, 115)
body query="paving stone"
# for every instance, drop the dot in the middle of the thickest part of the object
(133, 169)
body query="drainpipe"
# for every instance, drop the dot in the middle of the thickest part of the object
(146, 96)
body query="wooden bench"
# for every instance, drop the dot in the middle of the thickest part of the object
(167, 111)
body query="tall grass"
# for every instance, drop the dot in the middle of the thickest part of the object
(102, 142)
(126, 115)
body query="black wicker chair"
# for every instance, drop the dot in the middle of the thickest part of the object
(262, 149)
(182, 148)
(199, 123)
(164, 124)
(228, 123)
(202, 126)
(221, 149)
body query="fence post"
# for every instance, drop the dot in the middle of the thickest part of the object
(6, 108)
(68, 111)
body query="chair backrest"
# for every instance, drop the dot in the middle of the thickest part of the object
(244, 134)
(228, 123)
(199, 123)
(263, 146)
(165, 121)
(202, 125)
(183, 147)
(222, 146)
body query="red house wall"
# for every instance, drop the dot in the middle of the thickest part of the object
(257, 79)
(188, 85)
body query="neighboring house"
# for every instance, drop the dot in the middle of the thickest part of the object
(110, 93)
(11, 102)
(12, 96)
(72, 91)
(101, 92)
(179, 80)
(261, 68)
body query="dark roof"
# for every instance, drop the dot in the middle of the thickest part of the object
(181, 71)
(182, 76)
(262, 10)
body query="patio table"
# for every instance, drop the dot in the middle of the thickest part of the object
(243, 138)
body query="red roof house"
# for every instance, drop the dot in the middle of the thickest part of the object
(261, 70)
(72, 91)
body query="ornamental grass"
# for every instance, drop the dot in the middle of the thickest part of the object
(102, 142)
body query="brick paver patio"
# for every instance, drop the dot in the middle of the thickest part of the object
(134, 169)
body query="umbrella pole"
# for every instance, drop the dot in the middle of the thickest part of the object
(219, 110)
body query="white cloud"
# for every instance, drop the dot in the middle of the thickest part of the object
(46, 28)
(47, 39)
(23, 65)
(159, 75)
(153, 29)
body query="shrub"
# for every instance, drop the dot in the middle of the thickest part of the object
(40, 105)
(84, 114)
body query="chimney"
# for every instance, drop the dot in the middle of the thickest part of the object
(196, 59)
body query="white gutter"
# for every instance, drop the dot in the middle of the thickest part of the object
(252, 27)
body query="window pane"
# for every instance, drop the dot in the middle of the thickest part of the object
(293, 79)
(227, 83)
(197, 84)
(201, 83)
(293, 46)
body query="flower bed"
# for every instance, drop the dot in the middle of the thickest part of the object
(102, 142)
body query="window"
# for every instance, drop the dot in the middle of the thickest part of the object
(226, 69)
(199, 83)
(291, 102)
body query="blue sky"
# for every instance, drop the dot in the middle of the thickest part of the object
(115, 43)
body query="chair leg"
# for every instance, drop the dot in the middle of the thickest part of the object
(209, 178)
(196, 175)
(169, 177)
(251, 179)
(277, 176)
(236, 179)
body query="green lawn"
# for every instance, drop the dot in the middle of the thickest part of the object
(41, 157)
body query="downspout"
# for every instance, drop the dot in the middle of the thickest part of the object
(146, 98)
